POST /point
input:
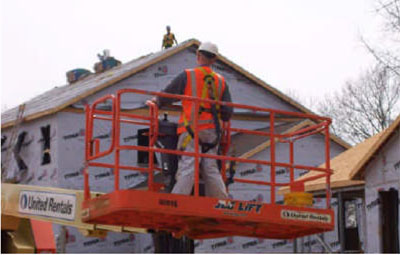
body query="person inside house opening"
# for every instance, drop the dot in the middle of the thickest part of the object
(205, 83)
(168, 39)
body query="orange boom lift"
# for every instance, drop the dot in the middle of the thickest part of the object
(196, 216)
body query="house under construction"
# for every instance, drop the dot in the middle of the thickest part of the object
(365, 186)
(45, 148)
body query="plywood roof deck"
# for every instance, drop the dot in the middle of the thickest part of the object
(348, 165)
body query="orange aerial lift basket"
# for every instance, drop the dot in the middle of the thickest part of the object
(196, 216)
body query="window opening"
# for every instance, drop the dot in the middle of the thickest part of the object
(351, 237)
(46, 158)
(17, 149)
(350, 214)
(389, 221)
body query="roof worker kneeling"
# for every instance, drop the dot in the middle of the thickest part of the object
(201, 82)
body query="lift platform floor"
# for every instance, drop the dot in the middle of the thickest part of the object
(205, 217)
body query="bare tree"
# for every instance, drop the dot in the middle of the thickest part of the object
(365, 106)
(388, 51)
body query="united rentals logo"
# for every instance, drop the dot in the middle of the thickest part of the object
(54, 205)
(305, 216)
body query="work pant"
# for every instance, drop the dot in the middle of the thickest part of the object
(214, 184)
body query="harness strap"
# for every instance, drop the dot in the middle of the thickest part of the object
(210, 87)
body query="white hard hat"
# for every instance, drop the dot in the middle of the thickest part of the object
(209, 47)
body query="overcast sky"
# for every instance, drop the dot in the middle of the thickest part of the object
(308, 46)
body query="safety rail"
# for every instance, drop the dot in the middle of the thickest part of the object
(116, 116)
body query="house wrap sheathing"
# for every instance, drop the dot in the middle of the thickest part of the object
(369, 173)
(381, 174)
(60, 111)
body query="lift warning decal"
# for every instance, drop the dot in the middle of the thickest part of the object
(54, 205)
(305, 216)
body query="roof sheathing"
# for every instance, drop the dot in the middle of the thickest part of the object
(386, 134)
(349, 164)
(61, 97)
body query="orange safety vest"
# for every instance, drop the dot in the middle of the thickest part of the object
(196, 86)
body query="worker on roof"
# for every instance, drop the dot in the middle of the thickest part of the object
(169, 39)
(201, 82)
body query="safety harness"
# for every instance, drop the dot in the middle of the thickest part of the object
(209, 88)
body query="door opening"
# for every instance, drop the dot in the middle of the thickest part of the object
(389, 219)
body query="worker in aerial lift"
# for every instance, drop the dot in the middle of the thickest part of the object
(168, 39)
(201, 82)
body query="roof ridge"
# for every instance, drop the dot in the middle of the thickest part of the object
(91, 76)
